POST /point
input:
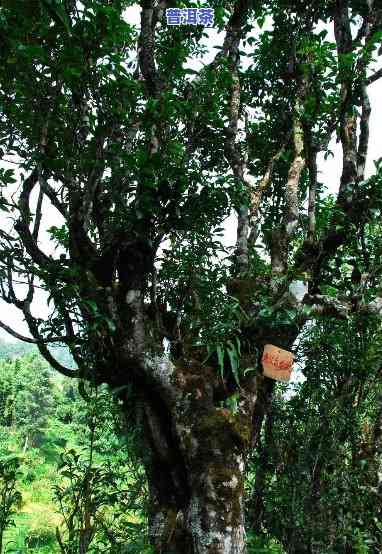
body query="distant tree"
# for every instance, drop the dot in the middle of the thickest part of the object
(142, 158)
(26, 397)
(70, 407)
(14, 349)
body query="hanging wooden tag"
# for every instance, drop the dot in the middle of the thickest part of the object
(277, 363)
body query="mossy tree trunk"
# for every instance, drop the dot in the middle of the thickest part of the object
(195, 460)
(167, 484)
(215, 514)
(196, 505)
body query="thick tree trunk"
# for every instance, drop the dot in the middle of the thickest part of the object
(213, 444)
(195, 451)
(212, 521)
(167, 482)
(195, 469)
(168, 532)
(215, 515)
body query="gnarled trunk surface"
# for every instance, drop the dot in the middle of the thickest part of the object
(194, 459)
(213, 449)
(208, 518)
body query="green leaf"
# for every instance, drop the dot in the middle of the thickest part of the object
(234, 360)
(220, 353)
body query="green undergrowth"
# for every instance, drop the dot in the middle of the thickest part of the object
(35, 523)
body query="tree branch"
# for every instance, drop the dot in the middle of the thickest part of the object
(327, 305)
(146, 46)
(41, 345)
(363, 144)
(239, 166)
(257, 193)
(51, 194)
(231, 41)
(312, 163)
(22, 226)
(38, 215)
(374, 77)
(30, 340)
(294, 175)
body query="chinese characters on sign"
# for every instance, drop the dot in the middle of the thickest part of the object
(190, 16)
(277, 363)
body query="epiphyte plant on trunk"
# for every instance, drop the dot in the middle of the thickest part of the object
(141, 159)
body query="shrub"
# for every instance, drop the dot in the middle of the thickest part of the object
(41, 536)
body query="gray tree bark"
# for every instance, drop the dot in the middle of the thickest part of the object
(195, 462)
